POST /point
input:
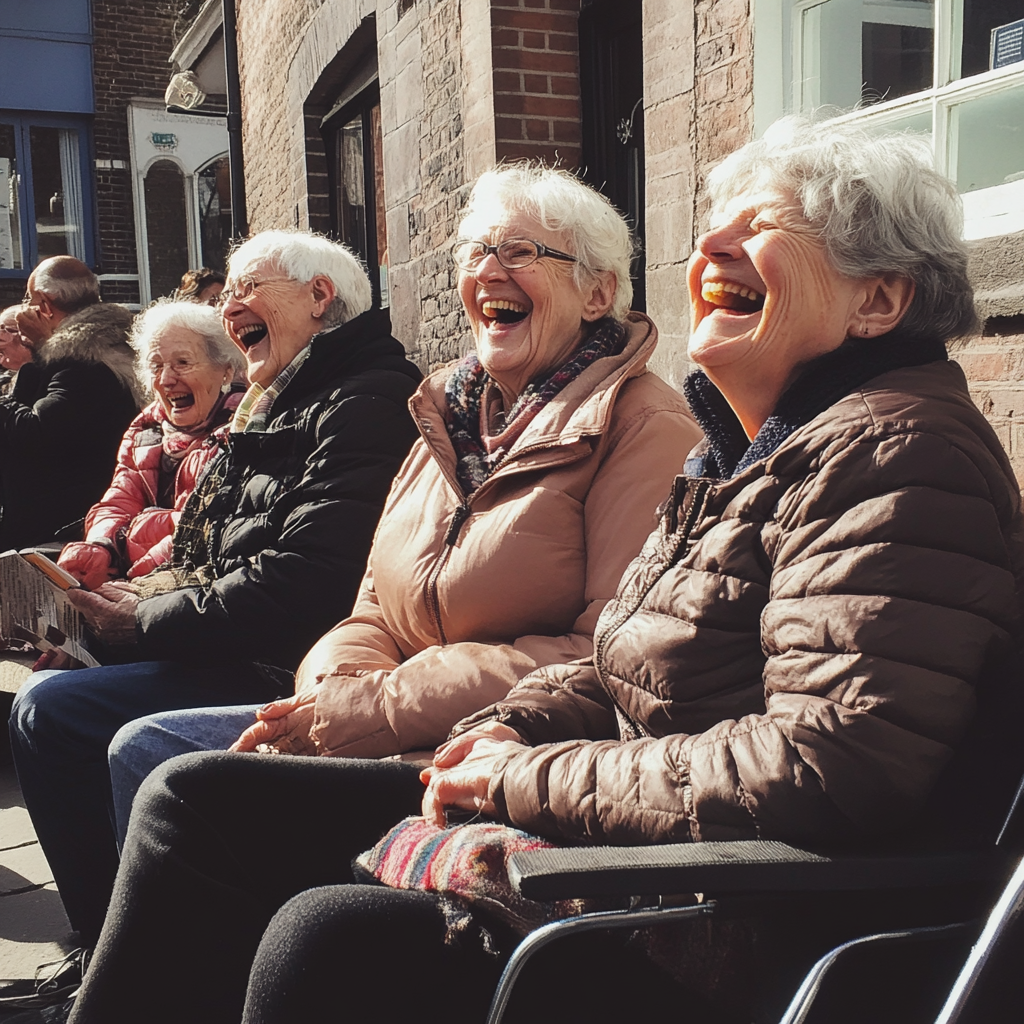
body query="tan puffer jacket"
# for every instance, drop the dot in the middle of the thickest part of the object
(800, 647)
(462, 599)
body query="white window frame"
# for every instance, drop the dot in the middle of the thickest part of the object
(988, 212)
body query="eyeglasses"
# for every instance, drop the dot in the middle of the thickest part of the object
(179, 367)
(12, 331)
(512, 254)
(241, 289)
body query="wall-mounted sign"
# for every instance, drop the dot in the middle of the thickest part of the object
(165, 141)
(1007, 45)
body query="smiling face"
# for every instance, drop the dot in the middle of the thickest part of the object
(764, 292)
(186, 383)
(14, 353)
(526, 322)
(276, 320)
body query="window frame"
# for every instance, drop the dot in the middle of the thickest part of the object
(947, 92)
(23, 123)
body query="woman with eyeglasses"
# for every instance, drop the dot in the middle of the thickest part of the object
(268, 551)
(541, 459)
(15, 352)
(185, 359)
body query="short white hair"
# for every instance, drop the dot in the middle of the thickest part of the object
(595, 232)
(302, 255)
(878, 205)
(201, 320)
(11, 312)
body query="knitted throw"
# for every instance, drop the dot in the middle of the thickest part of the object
(468, 862)
(478, 454)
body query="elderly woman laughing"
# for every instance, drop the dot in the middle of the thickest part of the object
(541, 459)
(187, 359)
(268, 552)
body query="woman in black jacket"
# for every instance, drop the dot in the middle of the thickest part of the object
(268, 555)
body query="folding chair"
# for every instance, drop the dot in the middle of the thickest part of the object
(732, 871)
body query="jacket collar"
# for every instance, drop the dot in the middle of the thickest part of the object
(726, 450)
(581, 411)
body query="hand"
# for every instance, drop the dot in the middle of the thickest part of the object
(467, 785)
(54, 658)
(451, 753)
(88, 563)
(109, 611)
(284, 724)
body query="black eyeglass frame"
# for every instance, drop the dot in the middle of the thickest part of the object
(543, 252)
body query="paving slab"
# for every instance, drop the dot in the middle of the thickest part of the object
(33, 930)
(15, 669)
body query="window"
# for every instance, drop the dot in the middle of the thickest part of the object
(45, 206)
(354, 145)
(953, 69)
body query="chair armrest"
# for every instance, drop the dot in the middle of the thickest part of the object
(743, 866)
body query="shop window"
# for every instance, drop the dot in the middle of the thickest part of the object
(950, 69)
(355, 167)
(166, 226)
(612, 89)
(45, 192)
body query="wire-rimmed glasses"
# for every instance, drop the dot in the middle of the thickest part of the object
(512, 254)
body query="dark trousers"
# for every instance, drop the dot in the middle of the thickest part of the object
(236, 875)
(61, 726)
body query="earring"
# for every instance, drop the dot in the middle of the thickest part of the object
(316, 316)
(225, 387)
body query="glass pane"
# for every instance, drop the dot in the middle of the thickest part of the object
(987, 140)
(166, 227)
(894, 57)
(57, 192)
(214, 184)
(982, 22)
(11, 254)
(919, 123)
(351, 187)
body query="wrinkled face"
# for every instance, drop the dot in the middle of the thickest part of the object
(526, 322)
(186, 383)
(14, 353)
(34, 320)
(762, 287)
(274, 322)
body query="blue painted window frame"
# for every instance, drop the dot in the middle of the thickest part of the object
(23, 123)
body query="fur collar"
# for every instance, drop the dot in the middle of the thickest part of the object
(96, 334)
(726, 451)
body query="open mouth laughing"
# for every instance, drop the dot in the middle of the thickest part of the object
(732, 298)
(251, 334)
(504, 312)
(180, 402)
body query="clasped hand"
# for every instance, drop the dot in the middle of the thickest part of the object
(285, 724)
(462, 770)
(109, 610)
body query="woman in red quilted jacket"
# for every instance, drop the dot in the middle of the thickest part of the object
(188, 362)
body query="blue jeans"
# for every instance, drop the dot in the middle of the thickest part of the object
(141, 745)
(61, 726)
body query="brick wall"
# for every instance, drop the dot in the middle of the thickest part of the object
(536, 80)
(132, 41)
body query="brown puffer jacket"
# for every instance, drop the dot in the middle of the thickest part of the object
(799, 647)
(462, 598)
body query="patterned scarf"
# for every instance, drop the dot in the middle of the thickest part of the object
(254, 410)
(470, 394)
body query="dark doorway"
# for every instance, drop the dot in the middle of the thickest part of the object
(612, 90)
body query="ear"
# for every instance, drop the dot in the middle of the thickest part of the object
(600, 296)
(886, 301)
(323, 294)
(46, 307)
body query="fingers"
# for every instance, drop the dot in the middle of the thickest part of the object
(457, 750)
(284, 706)
(44, 661)
(257, 733)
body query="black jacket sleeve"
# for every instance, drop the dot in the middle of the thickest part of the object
(274, 607)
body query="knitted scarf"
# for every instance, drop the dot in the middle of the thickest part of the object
(254, 410)
(470, 393)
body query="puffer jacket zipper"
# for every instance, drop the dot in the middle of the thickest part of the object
(694, 513)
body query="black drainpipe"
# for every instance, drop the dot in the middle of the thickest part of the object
(239, 216)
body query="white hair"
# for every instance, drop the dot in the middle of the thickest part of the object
(302, 255)
(595, 232)
(67, 282)
(201, 320)
(878, 205)
(11, 312)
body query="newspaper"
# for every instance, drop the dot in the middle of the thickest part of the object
(36, 609)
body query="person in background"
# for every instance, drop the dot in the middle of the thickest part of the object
(61, 426)
(541, 460)
(202, 285)
(14, 350)
(268, 551)
(811, 647)
(197, 374)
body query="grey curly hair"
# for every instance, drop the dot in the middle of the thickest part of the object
(878, 205)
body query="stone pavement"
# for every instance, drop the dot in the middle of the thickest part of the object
(33, 928)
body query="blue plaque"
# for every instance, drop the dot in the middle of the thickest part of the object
(1007, 46)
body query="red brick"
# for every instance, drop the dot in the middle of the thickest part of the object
(537, 130)
(505, 37)
(564, 85)
(567, 131)
(535, 40)
(540, 22)
(512, 81)
(535, 83)
(565, 42)
(529, 60)
(539, 106)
